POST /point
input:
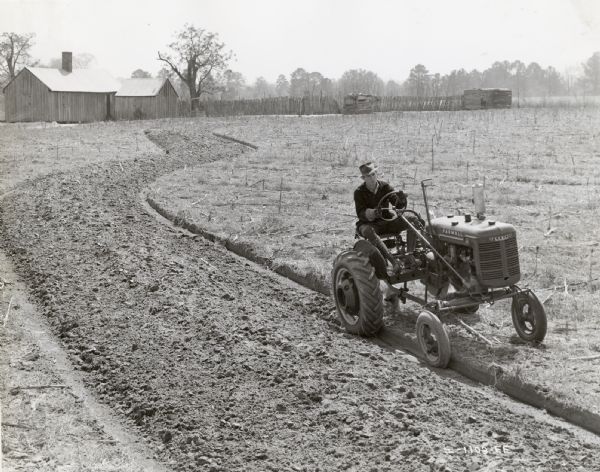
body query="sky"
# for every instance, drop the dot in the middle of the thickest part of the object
(270, 37)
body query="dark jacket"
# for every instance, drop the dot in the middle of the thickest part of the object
(364, 198)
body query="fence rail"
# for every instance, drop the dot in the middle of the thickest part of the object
(317, 105)
(271, 106)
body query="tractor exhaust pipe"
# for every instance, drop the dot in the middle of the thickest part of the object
(479, 200)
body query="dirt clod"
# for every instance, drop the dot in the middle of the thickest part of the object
(177, 359)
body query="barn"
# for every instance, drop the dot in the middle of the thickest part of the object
(478, 99)
(63, 95)
(139, 99)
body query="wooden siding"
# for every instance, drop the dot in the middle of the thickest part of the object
(163, 105)
(74, 107)
(28, 99)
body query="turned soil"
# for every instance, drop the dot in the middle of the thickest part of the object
(290, 202)
(222, 366)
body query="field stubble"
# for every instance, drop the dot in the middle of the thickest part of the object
(292, 199)
(80, 235)
(52, 428)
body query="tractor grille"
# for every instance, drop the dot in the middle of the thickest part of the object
(512, 256)
(499, 262)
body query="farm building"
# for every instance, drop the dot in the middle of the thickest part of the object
(63, 95)
(146, 98)
(478, 99)
(360, 103)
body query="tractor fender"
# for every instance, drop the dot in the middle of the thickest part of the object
(375, 257)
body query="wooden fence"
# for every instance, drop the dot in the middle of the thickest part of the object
(271, 106)
(315, 106)
(419, 103)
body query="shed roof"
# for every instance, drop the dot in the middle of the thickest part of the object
(141, 87)
(80, 80)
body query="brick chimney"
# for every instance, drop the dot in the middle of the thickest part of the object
(67, 61)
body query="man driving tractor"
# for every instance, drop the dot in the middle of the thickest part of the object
(370, 225)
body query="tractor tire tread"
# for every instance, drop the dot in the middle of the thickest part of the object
(367, 285)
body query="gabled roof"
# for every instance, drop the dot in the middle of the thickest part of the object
(80, 80)
(141, 87)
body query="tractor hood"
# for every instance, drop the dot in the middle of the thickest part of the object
(459, 229)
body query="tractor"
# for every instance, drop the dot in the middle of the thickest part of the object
(462, 262)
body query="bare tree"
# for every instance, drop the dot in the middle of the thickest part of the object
(196, 56)
(83, 60)
(392, 88)
(140, 74)
(591, 71)
(419, 81)
(299, 83)
(282, 86)
(436, 85)
(14, 54)
(360, 81)
(498, 75)
(535, 80)
(261, 88)
(232, 84)
(555, 84)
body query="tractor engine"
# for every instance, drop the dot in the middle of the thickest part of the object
(483, 251)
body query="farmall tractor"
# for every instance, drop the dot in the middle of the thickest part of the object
(462, 261)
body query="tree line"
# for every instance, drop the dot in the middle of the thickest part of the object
(198, 64)
(525, 80)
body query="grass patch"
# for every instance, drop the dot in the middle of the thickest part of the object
(297, 188)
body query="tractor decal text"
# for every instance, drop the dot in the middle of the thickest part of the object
(452, 232)
(504, 237)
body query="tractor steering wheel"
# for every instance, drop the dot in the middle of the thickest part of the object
(418, 218)
(389, 208)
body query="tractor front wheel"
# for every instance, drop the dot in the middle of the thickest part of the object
(529, 317)
(357, 294)
(433, 340)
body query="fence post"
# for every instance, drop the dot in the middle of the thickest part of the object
(280, 193)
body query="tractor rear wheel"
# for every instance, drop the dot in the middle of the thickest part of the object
(433, 340)
(357, 294)
(529, 317)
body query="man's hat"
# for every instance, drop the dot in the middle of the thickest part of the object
(367, 168)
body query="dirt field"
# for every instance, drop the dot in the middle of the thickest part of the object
(541, 175)
(216, 363)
